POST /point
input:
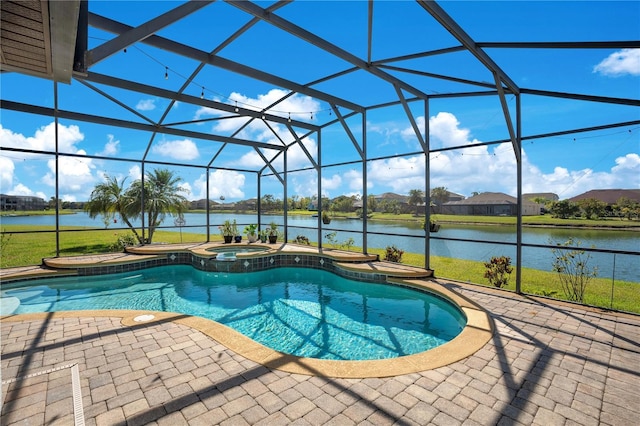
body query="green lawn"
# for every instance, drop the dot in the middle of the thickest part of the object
(43, 244)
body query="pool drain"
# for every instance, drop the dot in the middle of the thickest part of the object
(144, 318)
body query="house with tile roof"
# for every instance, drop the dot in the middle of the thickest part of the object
(609, 196)
(491, 204)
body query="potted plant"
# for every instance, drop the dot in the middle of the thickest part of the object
(228, 230)
(264, 234)
(251, 231)
(272, 232)
(325, 218)
(433, 226)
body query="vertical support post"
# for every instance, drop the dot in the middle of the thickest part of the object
(144, 241)
(259, 205)
(286, 199)
(319, 188)
(365, 195)
(613, 281)
(518, 156)
(427, 186)
(55, 108)
(208, 207)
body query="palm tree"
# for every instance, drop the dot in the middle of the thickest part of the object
(439, 196)
(415, 198)
(109, 199)
(161, 195)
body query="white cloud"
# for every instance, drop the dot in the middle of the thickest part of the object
(409, 132)
(222, 183)
(625, 61)
(299, 107)
(354, 179)
(252, 160)
(568, 183)
(74, 174)
(135, 173)
(331, 182)
(630, 163)
(6, 174)
(111, 148)
(305, 183)
(43, 139)
(401, 174)
(181, 150)
(296, 157)
(491, 168)
(445, 131)
(389, 132)
(186, 189)
(146, 105)
(21, 189)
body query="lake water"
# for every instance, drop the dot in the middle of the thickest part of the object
(410, 238)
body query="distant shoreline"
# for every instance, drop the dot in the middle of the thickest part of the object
(537, 222)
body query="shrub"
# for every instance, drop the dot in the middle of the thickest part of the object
(573, 269)
(348, 243)
(393, 254)
(123, 240)
(331, 238)
(498, 270)
(301, 239)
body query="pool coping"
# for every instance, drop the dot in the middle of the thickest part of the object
(477, 332)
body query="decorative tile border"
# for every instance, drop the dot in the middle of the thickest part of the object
(209, 262)
(254, 263)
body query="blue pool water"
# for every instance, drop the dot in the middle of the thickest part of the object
(303, 312)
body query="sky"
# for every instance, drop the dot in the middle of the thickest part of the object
(567, 165)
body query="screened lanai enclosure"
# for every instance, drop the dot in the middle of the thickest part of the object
(262, 109)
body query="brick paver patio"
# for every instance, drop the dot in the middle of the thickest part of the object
(547, 364)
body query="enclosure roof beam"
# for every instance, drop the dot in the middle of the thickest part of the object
(116, 101)
(414, 125)
(456, 30)
(419, 55)
(163, 93)
(581, 97)
(297, 140)
(517, 151)
(110, 25)
(71, 115)
(323, 44)
(626, 44)
(348, 131)
(143, 31)
(438, 76)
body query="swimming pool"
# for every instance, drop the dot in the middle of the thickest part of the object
(299, 311)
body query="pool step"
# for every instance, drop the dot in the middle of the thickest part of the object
(92, 261)
(390, 269)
